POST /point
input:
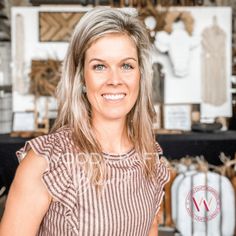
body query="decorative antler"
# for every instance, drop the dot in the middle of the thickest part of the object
(173, 16)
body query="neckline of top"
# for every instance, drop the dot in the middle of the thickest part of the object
(105, 154)
(119, 156)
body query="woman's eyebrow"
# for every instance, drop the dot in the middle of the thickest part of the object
(96, 59)
(129, 58)
(101, 60)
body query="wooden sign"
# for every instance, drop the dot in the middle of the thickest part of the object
(45, 75)
(57, 26)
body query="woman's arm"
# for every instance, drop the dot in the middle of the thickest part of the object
(154, 228)
(28, 199)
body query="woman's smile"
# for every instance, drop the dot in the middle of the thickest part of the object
(113, 97)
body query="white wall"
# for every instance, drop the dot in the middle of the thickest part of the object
(188, 89)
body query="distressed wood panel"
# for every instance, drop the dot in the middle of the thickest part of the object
(57, 26)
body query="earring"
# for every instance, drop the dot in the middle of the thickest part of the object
(84, 89)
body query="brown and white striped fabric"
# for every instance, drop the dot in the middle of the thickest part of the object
(125, 206)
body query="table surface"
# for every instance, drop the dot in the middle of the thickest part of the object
(219, 135)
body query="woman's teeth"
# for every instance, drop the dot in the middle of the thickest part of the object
(114, 96)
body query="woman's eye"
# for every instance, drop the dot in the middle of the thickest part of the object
(127, 66)
(98, 67)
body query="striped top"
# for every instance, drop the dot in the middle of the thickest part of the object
(126, 205)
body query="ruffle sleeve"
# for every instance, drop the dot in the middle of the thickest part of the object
(57, 177)
(162, 177)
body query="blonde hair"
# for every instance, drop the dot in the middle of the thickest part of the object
(73, 105)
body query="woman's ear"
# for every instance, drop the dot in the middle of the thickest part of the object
(84, 90)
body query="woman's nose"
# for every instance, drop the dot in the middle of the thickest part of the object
(115, 78)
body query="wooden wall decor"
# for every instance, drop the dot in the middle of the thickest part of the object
(45, 75)
(57, 26)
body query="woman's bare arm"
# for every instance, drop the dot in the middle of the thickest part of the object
(28, 199)
(154, 228)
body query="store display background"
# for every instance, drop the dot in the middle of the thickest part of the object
(34, 49)
(187, 90)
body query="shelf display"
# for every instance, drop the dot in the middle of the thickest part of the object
(37, 58)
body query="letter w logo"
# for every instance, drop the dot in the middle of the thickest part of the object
(204, 201)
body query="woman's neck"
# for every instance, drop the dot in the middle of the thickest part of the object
(112, 135)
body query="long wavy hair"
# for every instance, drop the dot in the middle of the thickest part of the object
(73, 106)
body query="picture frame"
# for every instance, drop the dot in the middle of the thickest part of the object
(177, 117)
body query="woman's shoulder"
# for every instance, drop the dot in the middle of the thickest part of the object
(163, 167)
(48, 145)
(158, 148)
(56, 173)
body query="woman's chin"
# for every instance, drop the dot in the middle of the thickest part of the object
(115, 115)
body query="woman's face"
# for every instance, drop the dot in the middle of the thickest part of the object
(112, 75)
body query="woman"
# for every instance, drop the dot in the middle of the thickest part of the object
(98, 171)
